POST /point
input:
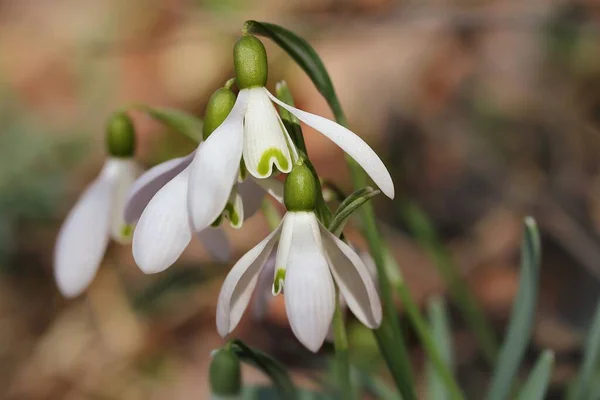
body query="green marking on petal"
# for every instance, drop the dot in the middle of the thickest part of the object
(278, 281)
(217, 221)
(232, 215)
(127, 231)
(243, 171)
(267, 158)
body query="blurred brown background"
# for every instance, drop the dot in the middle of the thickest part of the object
(485, 111)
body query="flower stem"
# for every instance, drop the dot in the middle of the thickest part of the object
(271, 214)
(389, 336)
(342, 361)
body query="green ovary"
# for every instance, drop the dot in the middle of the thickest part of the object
(266, 159)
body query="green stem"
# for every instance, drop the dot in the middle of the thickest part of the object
(427, 238)
(424, 334)
(342, 361)
(388, 335)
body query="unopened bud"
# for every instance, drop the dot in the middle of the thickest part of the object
(225, 374)
(250, 61)
(300, 189)
(120, 135)
(218, 108)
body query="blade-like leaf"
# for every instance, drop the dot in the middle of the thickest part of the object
(442, 336)
(583, 385)
(349, 206)
(522, 318)
(271, 367)
(176, 120)
(537, 384)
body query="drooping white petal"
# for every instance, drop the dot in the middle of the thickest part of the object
(127, 172)
(163, 231)
(350, 143)
(353, 279)
(240, 283)
(84, 236)
(309, 291)
(283, 252)
(215, 168)
(265, 140)
(150, 182)
(263, 295)
(216, 243)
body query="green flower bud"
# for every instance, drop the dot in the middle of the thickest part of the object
(225, 373)
(250, 61)
(219, 105)
(120, 135)
(300, 189)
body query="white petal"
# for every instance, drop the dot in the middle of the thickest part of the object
(127, 172)
(309, 291)
(146, 186)
(263, 289)
(216, 243)
(353, 279)
(252, 196)
(350, 143)
(240, 283)
(215, 168)
(83, 237)
(163, 230)
(283, 251)
(265, 140)
(272, 186)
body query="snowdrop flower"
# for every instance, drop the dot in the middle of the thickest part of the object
(98, 214)
(310, 261)
(254, 131)
(158, 202)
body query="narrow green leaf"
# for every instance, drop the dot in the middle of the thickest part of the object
(442, 337)
(427, 237)
(348, 207)
(522, 318)
(537, 384)
(583, 385)
(271, 367)
(176, 120)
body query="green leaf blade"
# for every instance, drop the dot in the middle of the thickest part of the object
(349, 206)
(442, 336)
(522, 316)
(537, 384)
(176, 120)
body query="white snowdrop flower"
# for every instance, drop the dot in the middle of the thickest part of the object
(158, 202)
(98, 214)
(254, 131)
(310, 261)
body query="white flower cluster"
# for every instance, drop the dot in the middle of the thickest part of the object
(227, 178)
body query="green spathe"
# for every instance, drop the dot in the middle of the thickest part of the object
(300, 189)
(265, 161)
(250, 61)
(120, 135)
(218, 108)
(225, 374)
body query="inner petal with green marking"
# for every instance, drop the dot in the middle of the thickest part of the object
(278, 281)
